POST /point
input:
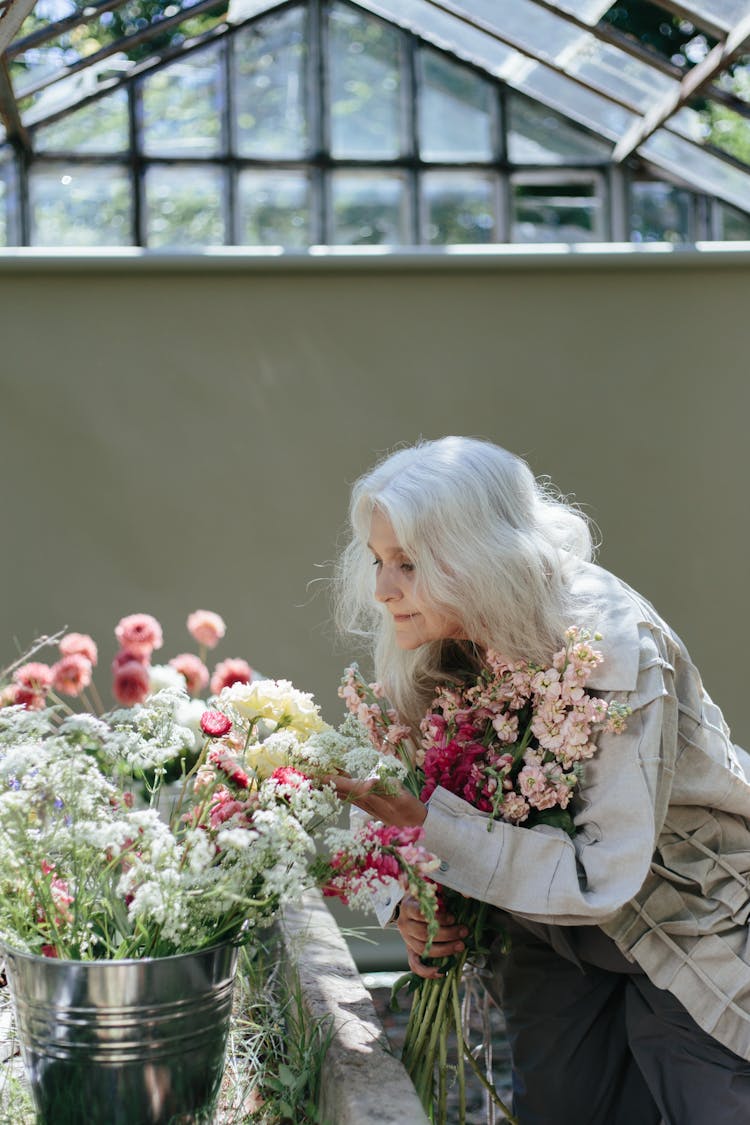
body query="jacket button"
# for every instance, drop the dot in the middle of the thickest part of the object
(443, 866)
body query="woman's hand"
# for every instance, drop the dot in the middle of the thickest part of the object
(402, 809)
(413, 929)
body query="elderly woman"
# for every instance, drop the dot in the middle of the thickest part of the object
(626, 988)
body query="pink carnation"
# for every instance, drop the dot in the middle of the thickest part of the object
(288, 775)
(79, 644)
(130, 683)
(220, 757)
(215, 724)
(140, 634)
(126, 657)
(194, 671)
(206, 628)
(230, 672)
(72, 674)
(34, 677)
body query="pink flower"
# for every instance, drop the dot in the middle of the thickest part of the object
(288, 775)
(228, 672)
(79, 644)
(29, 699)
(8, 695)
(48, 951)
(193, 669)
(220, 757)
(215, 724)
(72, 674)
(206, 628)
(140, 634)
(34, 677)
(130, 684)
(126, 657)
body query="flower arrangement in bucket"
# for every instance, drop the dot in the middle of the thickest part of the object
(124, 894)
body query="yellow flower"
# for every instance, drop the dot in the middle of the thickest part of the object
(278, 702)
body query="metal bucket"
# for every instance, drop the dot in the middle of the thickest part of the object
(124, 1042)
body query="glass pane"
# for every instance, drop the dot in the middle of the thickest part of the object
(367, 95)
(369, 209)
(661, 213)
(456, 111)
(181, 107)
(574, 101)
(459, 207)
(701, 169)
(79, 205)
(274, 208)
(617, 73)
(100, 126)
(538, 135)
(563, 212)
(8, 198)
(724, 12)
(710, 122)
(270, 103)
(525, 23)
(445, 31)
(184, 206)
(733, 225)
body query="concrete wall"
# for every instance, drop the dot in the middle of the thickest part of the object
(181, 433)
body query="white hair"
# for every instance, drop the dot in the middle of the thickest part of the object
(492, 548)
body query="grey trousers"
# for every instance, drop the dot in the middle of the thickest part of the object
(592, 1046)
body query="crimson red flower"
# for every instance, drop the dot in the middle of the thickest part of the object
(130, 684)
(215, 724)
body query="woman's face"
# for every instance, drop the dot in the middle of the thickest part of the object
(415, 620)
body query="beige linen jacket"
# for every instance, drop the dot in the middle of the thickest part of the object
(661, 861)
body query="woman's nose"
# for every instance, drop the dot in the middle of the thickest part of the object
(385, 588)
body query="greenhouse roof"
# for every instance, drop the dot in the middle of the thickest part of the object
(570, 55)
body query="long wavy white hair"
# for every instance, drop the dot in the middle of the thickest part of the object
(491, 545)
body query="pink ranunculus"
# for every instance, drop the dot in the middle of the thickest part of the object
(124, 656)
(228, 672)
(130, 683)
(72, 674)
(206, 628)
(140, 634)
(29, 699)
(79, 644)
(34, 677)
(215, 724)
(193, 669)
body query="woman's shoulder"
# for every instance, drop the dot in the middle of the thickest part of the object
(628, 625)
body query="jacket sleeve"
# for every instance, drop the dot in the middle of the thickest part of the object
(541, 873)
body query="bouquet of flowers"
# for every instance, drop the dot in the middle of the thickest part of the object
(512, 743)
(102, 856)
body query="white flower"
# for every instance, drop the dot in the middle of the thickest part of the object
(276, 701)
(164, 676)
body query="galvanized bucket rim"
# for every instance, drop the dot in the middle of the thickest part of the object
(10, 951)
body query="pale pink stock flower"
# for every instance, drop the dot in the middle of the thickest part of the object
(72, 674)
(206, 628)
(140, 634)
(130, 683)
(34, 676)
(193, 669)
(506, 727)
(228, 672)
(80, 644)
(514, 808)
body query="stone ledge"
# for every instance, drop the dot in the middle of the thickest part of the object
(362, 1081)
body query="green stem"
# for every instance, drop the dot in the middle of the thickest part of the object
(460, 1071)
(463, 1046)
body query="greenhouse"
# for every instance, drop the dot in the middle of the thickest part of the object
(421, 122)
(254, 253)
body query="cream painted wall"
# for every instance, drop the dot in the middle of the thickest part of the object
(181, 435)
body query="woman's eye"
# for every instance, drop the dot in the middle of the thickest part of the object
(407, 566)
(377, 562)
